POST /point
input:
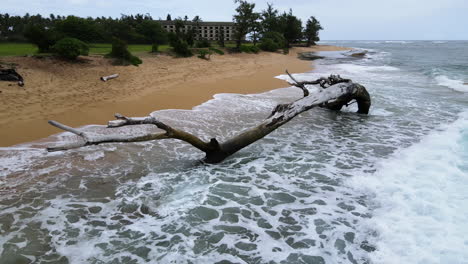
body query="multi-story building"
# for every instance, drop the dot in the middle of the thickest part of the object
(205, 30)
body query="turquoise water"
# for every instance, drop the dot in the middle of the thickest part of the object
(330, 187)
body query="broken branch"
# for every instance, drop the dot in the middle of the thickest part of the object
(338, 94)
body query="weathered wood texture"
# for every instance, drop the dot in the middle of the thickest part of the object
(334, 93)
(106, 78)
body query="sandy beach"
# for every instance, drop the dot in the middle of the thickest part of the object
(72, 93)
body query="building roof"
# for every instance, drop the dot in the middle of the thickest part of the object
(201, 23)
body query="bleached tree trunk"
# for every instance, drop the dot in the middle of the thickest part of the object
(334, 93)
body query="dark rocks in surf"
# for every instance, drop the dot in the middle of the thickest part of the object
(11, 75)
(309, 56)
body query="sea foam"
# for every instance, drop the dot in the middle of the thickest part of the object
(422, 214)
(456, 85)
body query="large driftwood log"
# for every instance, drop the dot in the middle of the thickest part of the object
(334, 93)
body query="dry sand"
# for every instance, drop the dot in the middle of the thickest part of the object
(72, 93)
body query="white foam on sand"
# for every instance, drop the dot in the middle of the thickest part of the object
(422, 209)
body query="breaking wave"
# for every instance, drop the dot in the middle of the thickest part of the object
(457, 85)
(422, 214)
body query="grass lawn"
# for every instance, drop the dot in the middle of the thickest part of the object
(104, 48)
(17, 49)
(21, 49)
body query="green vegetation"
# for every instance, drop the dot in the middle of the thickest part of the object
(270, 28)
(275, 30)
(23, 49)
(311, 32)
(217, 51)
(203, 43)
(272, 41)
(70, 48)
(104, 48)
(153, 33)
(244, 20)
(268, 44)
(43, 38)
(17, 49)
(249, 49)
(179, 45)
(78, 28)
(121, 54)
(203, 53)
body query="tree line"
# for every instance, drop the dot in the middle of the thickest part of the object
(270, 29)
(273, 29)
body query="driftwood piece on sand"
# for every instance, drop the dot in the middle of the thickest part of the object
(334, 93)
(11, 75)
(106, 78)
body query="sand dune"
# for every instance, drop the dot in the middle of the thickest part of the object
(73, 93)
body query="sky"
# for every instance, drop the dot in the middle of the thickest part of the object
(341, 19)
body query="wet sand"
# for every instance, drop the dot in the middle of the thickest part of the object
(72, 93)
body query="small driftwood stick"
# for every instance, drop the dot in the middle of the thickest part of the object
(113, 76)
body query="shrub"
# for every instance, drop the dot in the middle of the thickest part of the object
(203, 43)
(217, 51)
(254, 49)
(70, 48)
(249, 49)
(181, 48)
(202, 54)
(277, 37)
(44, 39)
(272, 41)
(154, 47)
(121, 54)
(268, 44)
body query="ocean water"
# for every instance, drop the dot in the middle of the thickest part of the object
(328, 187)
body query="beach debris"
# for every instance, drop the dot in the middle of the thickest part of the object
(113, 76)
(12, 76)
(334, 93)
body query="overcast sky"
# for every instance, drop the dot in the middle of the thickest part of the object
(341, 19)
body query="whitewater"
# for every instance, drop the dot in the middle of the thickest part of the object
(388, 187)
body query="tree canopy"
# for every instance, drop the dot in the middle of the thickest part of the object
(267, 24)
(45, 31)
(130, 28)
(311, 32)
(244, 20)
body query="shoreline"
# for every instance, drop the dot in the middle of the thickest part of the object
(72, 93)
